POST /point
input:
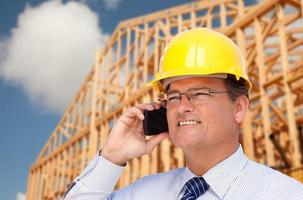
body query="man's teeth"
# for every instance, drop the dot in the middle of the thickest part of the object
(189, 122)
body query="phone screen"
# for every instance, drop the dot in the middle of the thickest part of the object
(155, 121)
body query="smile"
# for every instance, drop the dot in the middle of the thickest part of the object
(189, 122)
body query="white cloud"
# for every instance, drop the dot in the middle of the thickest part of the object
(109, 4)
(112, 4)
(3, 46)
(51, 51)
(21, 196)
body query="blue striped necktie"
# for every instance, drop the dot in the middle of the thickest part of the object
(195, 187)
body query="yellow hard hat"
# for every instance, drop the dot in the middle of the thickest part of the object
(200, 52)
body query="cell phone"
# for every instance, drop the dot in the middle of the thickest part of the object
(155, 121)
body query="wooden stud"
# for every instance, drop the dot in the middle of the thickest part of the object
(264, 99)
(293, 131)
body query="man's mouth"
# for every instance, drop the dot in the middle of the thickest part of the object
(188, 122)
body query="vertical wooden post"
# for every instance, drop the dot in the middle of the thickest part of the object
(30, 185)
(165, 154)
(83, 152)
(292, 126)
(93, 138)
(128, 53)
(248, 144)
(222, 16)
(264, 98)
(145, 47)
(40, 184)
(135, 67)
(35, 185)
(179, 23)
(193, 19)
(118, 56)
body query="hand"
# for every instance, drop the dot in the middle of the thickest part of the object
(127, 140)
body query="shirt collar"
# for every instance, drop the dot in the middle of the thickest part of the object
(222, 176)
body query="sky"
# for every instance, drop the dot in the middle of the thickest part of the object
(47, 49)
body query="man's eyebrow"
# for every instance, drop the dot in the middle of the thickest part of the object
(173, 91)
(194, 88)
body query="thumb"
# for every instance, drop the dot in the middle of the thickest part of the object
(155, 140)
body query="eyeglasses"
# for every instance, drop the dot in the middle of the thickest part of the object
(195, 96)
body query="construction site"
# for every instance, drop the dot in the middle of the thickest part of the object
(270, 35)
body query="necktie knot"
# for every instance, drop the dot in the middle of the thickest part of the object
(195, 187)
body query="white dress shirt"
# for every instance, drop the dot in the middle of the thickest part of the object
(235, 178)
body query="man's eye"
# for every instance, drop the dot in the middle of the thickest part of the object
(173, 98)
(199, 94)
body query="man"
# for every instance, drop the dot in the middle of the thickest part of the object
(202, 74)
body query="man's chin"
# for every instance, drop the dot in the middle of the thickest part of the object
(187, 143)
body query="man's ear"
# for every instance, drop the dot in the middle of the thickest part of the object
(241, 107)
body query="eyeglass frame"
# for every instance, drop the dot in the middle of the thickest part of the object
(206, 91)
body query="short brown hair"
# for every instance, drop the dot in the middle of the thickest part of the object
(236, 88)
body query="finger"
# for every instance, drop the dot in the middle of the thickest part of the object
(137, 126)
(132, 113)
(155, 140)
(148, 106)
(137, 112)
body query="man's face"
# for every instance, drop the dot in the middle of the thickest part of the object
(202, 124)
